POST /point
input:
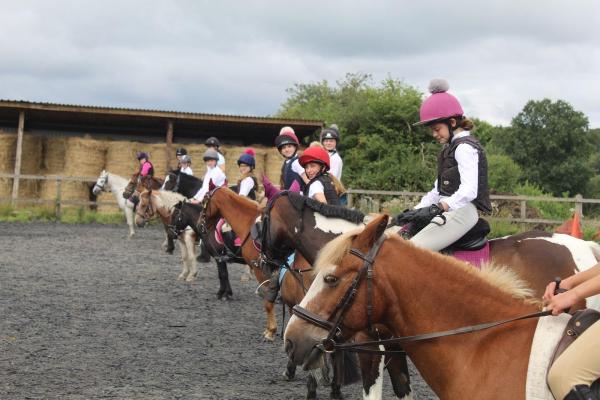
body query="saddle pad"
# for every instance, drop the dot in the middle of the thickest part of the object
(474, 257)
(218, 231)
(547, 334)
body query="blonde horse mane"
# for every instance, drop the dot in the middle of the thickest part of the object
(167, 199)
(499, 276)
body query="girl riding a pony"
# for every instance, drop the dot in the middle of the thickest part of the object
(146, 167)
(461, 188)
(316, 163)
(213, 174)
(291, 171)
(184, 165)
(212, 143)
(574, 371)
(247, 184)
(330, 138)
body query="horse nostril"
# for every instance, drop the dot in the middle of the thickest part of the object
(289, 347)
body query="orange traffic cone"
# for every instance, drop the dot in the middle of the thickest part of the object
(572, 226)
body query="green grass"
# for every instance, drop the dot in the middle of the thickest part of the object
(78, 215)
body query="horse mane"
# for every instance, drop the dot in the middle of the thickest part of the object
(329, 211)
(168, 198)
(499, 276)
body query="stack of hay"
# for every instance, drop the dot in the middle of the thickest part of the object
(7, 162)
(273, 163)
(53, 151)
(30, 164)
(158, 157)
(84, 157)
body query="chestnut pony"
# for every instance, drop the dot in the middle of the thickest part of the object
(415, 291)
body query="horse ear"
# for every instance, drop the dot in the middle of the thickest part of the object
(211, 185)
(373, 231)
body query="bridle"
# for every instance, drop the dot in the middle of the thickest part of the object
(101, 182)
(148, 210)
(333, 340)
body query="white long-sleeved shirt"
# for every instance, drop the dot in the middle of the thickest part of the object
(187, 170)
(336, 164)
(246, 186)
(218, 178)
(468, 167)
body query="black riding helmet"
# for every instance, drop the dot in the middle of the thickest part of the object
(212, 141)
(180, 151)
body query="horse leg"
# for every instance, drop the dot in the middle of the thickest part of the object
(398, 370)
(188, 243)
(224, 286)
(269, 333)
(185, 269)
(311, 385)
(290, 371)
(129, 218)
(170, 244)
(371, 368)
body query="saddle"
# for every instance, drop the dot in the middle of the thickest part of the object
(474, 239)
(579, 322)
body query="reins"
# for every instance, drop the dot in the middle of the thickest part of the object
(330, 343)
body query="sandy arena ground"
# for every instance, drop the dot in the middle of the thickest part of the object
(87, 314)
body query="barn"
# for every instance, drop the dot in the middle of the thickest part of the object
(80, 141)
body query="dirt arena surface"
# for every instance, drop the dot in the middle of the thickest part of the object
(87, 314)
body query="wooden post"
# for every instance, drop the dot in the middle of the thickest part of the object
(169, 141)
(350, 200)
(523, 209)
(579, 204)
(15, 190)
(57, 210)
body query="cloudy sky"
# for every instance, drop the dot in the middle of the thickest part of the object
(238, 57)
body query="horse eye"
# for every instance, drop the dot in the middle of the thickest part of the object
(330, 280)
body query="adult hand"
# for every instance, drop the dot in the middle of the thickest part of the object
(561, 301)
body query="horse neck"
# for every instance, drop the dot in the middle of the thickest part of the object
(428, 292)
(163, 204)
(117, 183)
(238, 212)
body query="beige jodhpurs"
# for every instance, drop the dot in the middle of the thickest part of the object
(458, 222)
(578, 365)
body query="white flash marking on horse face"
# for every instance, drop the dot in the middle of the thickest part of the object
(258, 219)
(333, 225)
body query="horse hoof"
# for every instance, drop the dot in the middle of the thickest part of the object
(288, 376)
(227, 297)
(268, 337)
(336, 395)
(220, 295)
(181, 277)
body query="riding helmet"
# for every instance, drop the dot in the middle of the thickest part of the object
(246, 159)
(180, 151)
(211, 154)
(212, 141)
(332, 132)
(286, 136)
(142, 154)
(186, 159)
(440, 106)
(315, 154)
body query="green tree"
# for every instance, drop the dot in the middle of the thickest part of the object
(381, 149)
(550, 142)
(503, 173)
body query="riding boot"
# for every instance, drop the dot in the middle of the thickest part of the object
(581, 392)
(268, 289)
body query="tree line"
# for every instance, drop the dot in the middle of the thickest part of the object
(548, 147)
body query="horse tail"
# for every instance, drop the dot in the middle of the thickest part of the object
(595, 248)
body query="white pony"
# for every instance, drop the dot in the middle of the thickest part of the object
(162, 202)
(116, 184)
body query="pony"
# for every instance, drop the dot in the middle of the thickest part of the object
(179, 182)
(292, 222)
(116, 184)
(536, 256)
(161, 203)
(413, 291)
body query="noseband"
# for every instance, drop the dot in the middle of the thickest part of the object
(336, 319)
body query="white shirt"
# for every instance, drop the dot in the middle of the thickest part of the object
(296, 167)
(336, 165)
(221, 160)
(468, 167)
(187, 170)
(314, 188)
(218, 178)
(246, 186)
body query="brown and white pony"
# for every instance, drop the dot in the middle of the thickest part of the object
(415, 291)
(161, 203)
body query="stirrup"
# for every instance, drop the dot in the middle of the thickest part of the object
(581, 392)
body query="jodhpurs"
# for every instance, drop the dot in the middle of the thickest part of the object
(578, 365)
(458, 222)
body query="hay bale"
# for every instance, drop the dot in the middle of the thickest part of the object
(31, 164)
(84, 157)
(106, 209)
(7, 162)
(158, 157)
(54, 154)
(196, 152)
(121, 158)
(273, 163)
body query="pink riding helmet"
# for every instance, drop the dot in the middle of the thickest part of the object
(440, 105)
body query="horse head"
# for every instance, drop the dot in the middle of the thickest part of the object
(334, 306)
(100, 183)
(145, 210)
(178, 221)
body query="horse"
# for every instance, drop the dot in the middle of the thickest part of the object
(414, 291)
(287, 222)
(136, 185)
(116, 184)
(183, 183)
(536, 256)
(161, 202)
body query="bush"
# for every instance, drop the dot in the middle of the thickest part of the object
(548, 210)
(503, 173)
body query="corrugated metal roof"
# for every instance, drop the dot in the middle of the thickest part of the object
(23, 104)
